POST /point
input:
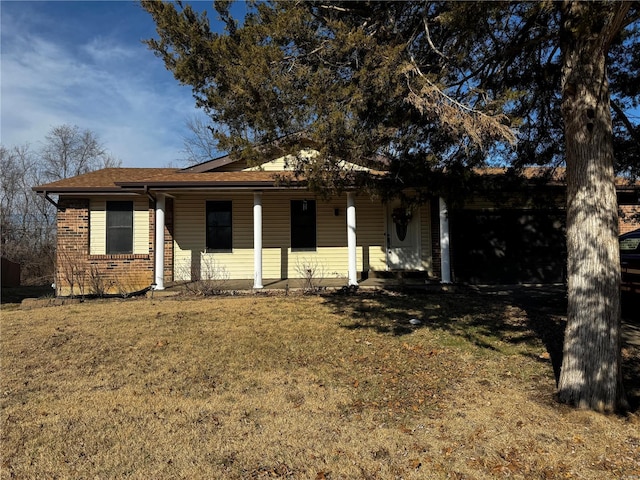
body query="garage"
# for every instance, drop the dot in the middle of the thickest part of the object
(508, 246)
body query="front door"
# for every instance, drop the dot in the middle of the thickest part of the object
(403, 238)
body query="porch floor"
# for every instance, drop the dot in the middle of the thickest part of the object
(328, 283)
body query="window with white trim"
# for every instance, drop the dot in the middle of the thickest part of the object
(119, 227)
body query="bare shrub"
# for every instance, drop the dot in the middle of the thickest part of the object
(208, 278)
(312, 272)
(71, 272)
(97, 283)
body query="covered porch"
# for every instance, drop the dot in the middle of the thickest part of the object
(418, 281)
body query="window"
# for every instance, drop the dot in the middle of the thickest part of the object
(119, 227)
(219, 233)
(303, 224)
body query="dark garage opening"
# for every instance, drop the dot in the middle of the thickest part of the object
(508, 246)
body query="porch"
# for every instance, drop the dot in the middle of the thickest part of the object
(387, 282)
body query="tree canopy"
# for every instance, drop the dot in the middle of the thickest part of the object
(426, 85)
(429, 87)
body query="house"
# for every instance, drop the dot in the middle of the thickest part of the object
(122, 230)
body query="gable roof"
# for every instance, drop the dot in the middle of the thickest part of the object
(277, 148)
(212, 164)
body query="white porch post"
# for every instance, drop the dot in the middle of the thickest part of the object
(159, 277)
(351, 238)
(445, 252)
(257, 240)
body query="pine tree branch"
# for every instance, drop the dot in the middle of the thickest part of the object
(633, 131)
(618, 22)
(428, 36)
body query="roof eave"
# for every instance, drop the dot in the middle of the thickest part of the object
(59, 190)
(204, 184)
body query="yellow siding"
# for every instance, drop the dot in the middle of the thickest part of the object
(277, 165)
(288, 162)
(280, 164)
(370, 225)
(190, 237)
(278, 260)
(141, 225)
(98, 226)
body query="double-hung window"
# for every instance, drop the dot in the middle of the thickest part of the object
(219, 226)
(303, 224)
(119, 227)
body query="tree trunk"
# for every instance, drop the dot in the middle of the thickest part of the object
(591, 374)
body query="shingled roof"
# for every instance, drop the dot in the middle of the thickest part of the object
(104, 180)
(127, 180)
(111, 180)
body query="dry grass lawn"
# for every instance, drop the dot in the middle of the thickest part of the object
(303, 387)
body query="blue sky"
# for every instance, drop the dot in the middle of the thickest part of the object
(83, 63)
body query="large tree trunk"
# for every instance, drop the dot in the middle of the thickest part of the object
(591, 375)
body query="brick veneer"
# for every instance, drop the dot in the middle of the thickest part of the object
(168, 240)
(119, 274)
(629, 218)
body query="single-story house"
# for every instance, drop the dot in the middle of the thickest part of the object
(122, 230)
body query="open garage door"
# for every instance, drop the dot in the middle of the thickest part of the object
(508, 246)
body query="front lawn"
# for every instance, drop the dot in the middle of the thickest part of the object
(304, 387)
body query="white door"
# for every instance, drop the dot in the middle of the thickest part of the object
(403, 238)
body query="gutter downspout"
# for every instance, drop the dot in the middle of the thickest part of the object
(46, 196)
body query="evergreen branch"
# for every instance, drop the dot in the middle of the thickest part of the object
(618, 22)
(428, 36)
(633, 130)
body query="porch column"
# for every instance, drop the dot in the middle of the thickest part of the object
(257, 240)
(445, 252)
(159, 277)
(351, 238)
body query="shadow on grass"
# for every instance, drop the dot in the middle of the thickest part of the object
(518, 316)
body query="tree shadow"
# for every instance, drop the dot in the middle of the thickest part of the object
(476, 317)
(516, 315)
(546, 310)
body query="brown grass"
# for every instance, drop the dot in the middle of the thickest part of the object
(298, 387)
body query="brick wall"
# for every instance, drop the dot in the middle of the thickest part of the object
(629, 218)
(91, 274)
(168, 240)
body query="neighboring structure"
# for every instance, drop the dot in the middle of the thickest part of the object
(10, 273)
(122, 230)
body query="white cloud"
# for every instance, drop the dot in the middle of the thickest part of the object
(116, 88)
